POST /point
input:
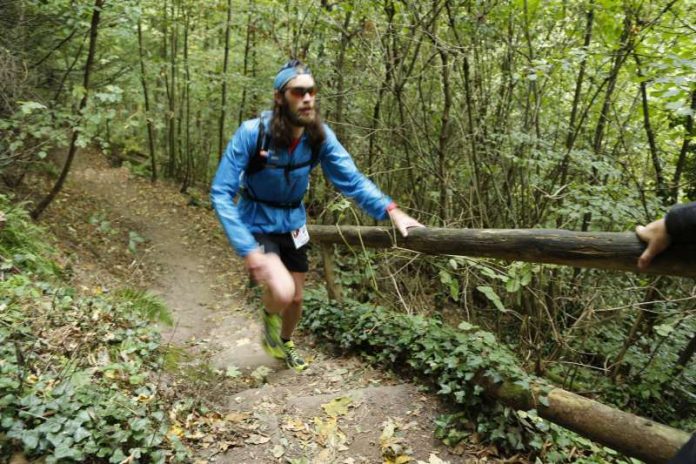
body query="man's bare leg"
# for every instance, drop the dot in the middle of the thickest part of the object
(293, 312)
(279, 286)
(291, 317)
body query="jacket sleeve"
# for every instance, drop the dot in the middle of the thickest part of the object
(686, 454)
(681, 222)
(225, 187)
(339, 168)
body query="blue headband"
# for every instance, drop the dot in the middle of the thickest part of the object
(288, 72)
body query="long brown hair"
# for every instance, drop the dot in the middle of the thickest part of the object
(281, 126)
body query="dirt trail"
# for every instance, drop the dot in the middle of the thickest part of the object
(187, 261)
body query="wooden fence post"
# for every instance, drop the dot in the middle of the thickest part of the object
(332, 288)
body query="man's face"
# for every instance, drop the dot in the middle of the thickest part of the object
(299, 97)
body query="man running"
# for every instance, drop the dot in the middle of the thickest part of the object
(268, 162)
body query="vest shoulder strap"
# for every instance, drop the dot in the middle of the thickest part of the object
(258, 161)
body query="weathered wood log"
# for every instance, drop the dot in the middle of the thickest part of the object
(632, 435)
(601, 250)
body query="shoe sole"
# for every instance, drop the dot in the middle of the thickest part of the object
(298, 369)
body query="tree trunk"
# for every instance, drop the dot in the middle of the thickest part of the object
(442, 151)
(603, 119)
(148, 118)
(686, 355)
(647, 307)
(94, 27)
(571, 133)
(600, 250)
(223, 98)
(662, 192)
(247, 48)
(171, 117)
(188, 155)
(689, 134)
(340, 81)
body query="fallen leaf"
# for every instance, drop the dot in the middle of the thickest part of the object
(337, 406)
(434, 460)
(295, 425)
(394, 449)
(237, 417)
(325, 456)
(256, 439)
(328, 433)
(278, 451)
(176, 430)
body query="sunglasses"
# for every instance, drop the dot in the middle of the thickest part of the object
(300, 92)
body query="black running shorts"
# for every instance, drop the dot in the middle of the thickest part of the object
(295, 260)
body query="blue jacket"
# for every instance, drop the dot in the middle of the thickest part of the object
(248, 217)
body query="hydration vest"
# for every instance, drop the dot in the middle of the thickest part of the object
(259, 161)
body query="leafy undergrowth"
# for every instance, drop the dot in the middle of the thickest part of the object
(452, 363)
(82, 377)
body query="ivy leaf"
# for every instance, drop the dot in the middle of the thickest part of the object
(492, 296)
(465, 326)
(30, 440)
(664, 330)
(445, 277)
(133, 240)
(80, 434)
(29, 106)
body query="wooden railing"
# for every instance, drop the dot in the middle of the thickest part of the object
(633, 435)
(618, 251)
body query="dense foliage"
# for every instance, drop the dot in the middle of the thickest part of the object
(76, 373)
(577, 115)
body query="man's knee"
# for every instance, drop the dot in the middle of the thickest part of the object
(297, 299)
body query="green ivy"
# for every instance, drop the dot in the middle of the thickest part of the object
(77, 379)
(76, 382)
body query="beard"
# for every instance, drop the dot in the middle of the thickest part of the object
(297, 118)
(284, 120)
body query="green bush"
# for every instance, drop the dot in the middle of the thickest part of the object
(23, 245)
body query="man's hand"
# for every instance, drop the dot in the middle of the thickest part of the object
(257, 264)
(269, 271)
(403, 221)
(656, 236)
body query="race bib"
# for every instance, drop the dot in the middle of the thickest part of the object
(300, 236)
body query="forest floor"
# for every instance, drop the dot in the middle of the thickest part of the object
(119, 230)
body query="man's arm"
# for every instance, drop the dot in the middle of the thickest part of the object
(340, 169)
(678, 226)
(225, 186)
